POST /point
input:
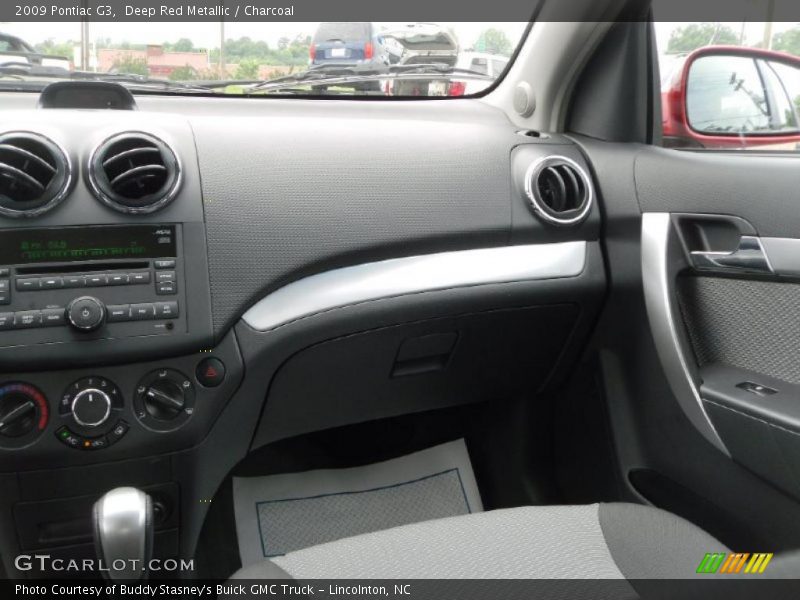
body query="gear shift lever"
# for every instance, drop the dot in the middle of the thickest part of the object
(123, 533)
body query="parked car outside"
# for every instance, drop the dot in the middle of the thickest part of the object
(15, 51)
(347, 43)
(731, 97)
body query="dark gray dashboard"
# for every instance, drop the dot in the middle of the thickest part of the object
(377, 249)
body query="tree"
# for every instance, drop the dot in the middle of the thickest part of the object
(247, 69)
(185, 73)
(183, 45)
(51, 48)
(130, 64)
(788, 41)
(697, 35)
(494, 41)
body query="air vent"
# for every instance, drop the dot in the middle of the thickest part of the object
(35, 174)
(134, 173)
(559, 190)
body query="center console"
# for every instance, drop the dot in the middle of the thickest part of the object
(108, 360)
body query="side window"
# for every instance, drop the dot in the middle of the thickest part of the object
(498, 66)
(733, 86)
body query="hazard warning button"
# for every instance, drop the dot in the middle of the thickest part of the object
(210, 372)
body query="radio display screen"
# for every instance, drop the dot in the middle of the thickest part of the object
(69, 244)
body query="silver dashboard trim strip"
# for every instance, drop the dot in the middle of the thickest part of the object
(412, 275)
(661, 256)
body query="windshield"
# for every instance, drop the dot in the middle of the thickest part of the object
(258, 58)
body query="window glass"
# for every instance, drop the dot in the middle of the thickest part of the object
(242, 58)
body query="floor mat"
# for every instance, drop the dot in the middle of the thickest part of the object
(276, 514)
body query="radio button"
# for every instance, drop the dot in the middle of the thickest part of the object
(6, 321)
(165, 276)
(97, 280)
(74, 281)
(164, 263)
(26, 284)
(140, 277)
(119, 312)
(5, 298)
(5, 272)
(118, 279)
(53, 317)
(142, 312)
(4, 287)
(51, 283)
(166, 288)
(27, 318)
(166, 310)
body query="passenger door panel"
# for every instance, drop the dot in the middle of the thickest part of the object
(698, 429)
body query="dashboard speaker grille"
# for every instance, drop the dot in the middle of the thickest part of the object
(559, 190)
(35, 174)
(134, 173)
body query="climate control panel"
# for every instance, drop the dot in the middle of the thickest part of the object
(87, 415)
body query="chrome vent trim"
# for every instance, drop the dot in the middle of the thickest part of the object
(134, 172)
(559, 190)
(35, 174)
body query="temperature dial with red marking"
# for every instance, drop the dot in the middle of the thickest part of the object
(23, 414)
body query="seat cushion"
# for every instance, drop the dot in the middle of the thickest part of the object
(597, 541)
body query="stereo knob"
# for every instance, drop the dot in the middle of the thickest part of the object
(86, 313)
(91, 407)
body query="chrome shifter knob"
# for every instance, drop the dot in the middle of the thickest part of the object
(123, 533)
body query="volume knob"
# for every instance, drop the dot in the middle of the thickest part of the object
(86, 313)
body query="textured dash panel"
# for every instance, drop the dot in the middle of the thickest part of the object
(748, 324)
(288, 197)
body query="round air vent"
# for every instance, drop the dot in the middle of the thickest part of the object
(134, 173)
(559, 190)
(35, 174)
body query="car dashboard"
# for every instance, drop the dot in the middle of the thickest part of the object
(202, 277)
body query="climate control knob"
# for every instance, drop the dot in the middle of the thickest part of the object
(91, 407)
(164, 400)
(23, 414)
(86, 313)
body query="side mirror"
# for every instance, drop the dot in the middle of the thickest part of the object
(734, 97)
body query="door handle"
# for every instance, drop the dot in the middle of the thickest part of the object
(748, 257)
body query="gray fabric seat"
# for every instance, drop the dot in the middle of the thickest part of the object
(598, 541)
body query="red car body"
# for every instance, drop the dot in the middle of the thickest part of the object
(675, 125)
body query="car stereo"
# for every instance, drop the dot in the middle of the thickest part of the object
(91, 282)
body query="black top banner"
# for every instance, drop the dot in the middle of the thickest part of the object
(399, 10)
